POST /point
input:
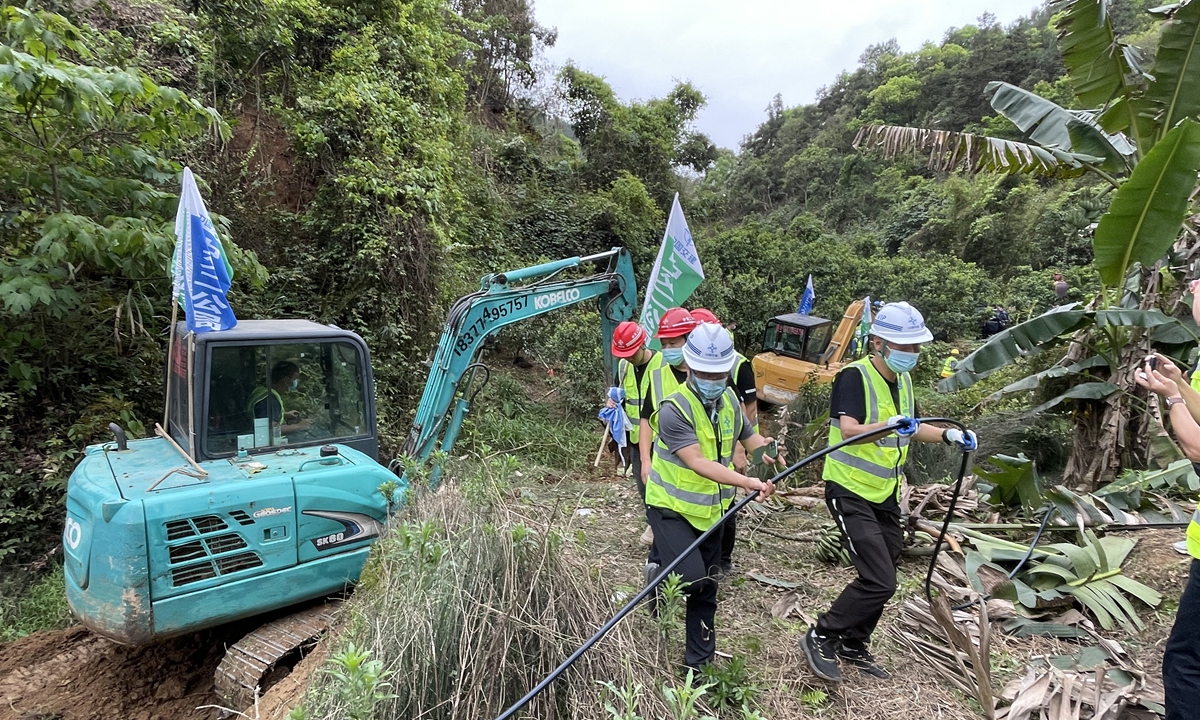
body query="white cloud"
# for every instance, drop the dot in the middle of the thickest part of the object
(741, 54)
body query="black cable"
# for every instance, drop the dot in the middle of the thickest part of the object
(662, 575)
(1050, 510)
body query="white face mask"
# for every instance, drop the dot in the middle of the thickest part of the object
(295, 384)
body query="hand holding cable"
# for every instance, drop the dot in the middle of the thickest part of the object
(905, 425)
(964, 440)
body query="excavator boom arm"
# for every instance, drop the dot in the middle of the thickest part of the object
(499, 303)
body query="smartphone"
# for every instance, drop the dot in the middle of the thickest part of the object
(770, 450)
(1152, 362)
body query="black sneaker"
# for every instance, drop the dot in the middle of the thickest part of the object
(648, 575)
(856, 653)
(821, 653)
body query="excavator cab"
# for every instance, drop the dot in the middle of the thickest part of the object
(306, 385)
(799, 349)
(801, 337)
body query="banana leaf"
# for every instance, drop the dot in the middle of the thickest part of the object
(1012, 479)
(1086, 42)
(1084, 391)
(1017, 341)
(1045, 331)
(1148, 210)
(1049, 125)
(1175, 90)
(1177, 474)
(950, 150)
(1033, 382)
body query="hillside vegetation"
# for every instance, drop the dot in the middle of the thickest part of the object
(368, 161)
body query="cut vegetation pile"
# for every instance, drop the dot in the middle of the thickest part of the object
(462, 609)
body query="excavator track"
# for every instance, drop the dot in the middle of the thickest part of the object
(248, 662)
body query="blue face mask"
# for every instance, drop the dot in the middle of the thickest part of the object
(900, 361)
(672, 356)
(295, 383)
(707, 390)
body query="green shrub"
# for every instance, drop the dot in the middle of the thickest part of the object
(32, 602)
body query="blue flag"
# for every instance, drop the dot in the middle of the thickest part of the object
(202, 274)
(806, 302)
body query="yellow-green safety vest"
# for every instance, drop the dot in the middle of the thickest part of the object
(737, 367)
(627, 379)
(948, 367)
(1195, 383)
(675, 486)
(257, 395)
(659, 383)
(872, 470)
(1193, 535)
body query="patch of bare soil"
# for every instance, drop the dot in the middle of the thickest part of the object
(75, 675)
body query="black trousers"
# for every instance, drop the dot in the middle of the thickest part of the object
(672, 535)
(728, 538)
(634, 455)
(1181, 659)
(875, 537)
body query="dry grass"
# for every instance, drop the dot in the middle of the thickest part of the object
(468, 608)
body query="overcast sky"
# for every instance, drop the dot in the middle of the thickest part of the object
(740, 53)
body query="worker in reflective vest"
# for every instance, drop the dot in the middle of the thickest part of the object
(1181, 659)
(633, 359)
(698, 427)
(862, 484)
(665, 374)
(741, 379)
(951, 364)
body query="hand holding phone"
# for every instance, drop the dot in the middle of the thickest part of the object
(770, 450)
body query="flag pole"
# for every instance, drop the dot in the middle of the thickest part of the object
(170, 359)
(600, 450)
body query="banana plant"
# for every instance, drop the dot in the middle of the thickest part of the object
(1089, 574)
(1140, 135)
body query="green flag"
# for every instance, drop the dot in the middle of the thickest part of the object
(676, 274)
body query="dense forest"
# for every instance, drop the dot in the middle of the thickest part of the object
(367, 160)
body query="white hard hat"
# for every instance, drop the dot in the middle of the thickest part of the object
(709, 348)
(900, 323)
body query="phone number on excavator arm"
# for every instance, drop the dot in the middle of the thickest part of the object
(490, 317)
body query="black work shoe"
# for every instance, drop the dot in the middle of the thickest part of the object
(648, 575)
(821, 653)
(855, 652)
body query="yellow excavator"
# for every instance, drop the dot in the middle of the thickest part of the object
(799, 349)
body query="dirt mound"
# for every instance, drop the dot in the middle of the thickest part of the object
(76, 675)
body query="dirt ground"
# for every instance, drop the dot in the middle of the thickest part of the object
(74, 675)
(606, 510)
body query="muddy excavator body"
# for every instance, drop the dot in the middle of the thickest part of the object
(799, 349)
(264, 488)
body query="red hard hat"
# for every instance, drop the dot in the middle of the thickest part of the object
(628, 338)
(675, 322)
(703, 315)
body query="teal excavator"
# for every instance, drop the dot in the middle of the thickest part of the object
(264, 489)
